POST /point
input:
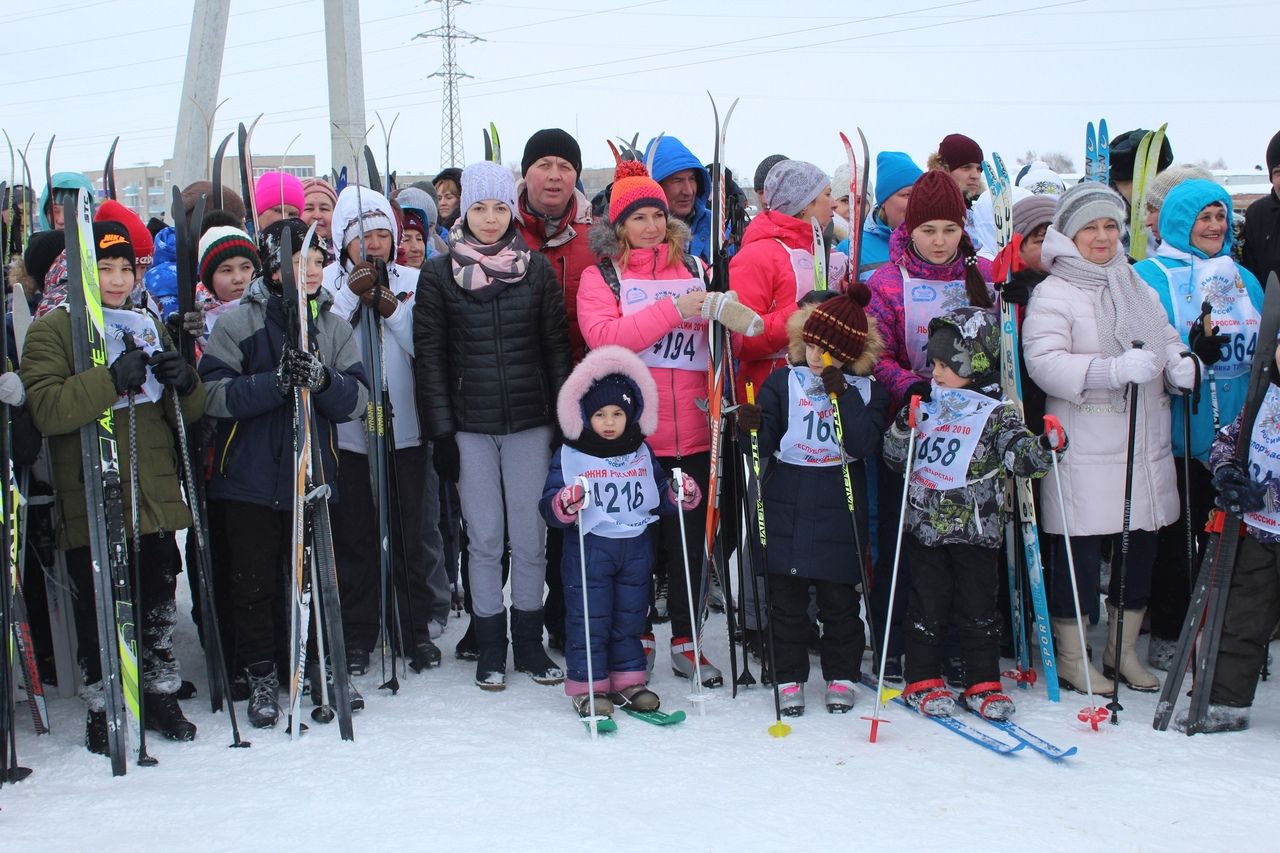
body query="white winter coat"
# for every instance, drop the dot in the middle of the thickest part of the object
(1060, 340)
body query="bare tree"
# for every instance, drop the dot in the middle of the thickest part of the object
(1059, 162)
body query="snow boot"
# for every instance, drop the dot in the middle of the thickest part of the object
(988, 700)
(1220, 718)
(583, 705)
(426, 654)
(1160, 652)
(526, 647)
(467, 648)
(264, 694)
(953, 672)
(1134, 675)
(839, 696)
(682, 663)
(791, 694)
(95, 732)
(317, 697)
(637, 697)
(930, 697)
(650, 647)
(892, 671)
(164, 715)
(357, 661)
(491, 656)
(660, 612)
(1072, 661)
(186, 690)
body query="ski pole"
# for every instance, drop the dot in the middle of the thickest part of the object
(853, 512)
(1206, 322)
(135, 544)
(1190, 406)
(696, 696)
(1093, 714)
(324, 713)
(593, 719)
(912, 413)
(1114, 705)
(779, 728)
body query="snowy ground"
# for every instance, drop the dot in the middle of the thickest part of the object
(444, 765)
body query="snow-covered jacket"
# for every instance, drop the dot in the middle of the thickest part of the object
(894, 367)
(563, 242)
(1059, 342)
(1177, 216)
(762, 275)
(682, 427)
(673, 156)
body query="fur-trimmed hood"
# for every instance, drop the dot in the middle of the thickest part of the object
(861, 367)
(598, 364)
(603, 240)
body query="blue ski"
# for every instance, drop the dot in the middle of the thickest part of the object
(958, 726)
(1036, 742)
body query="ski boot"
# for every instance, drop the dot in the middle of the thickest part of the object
(164, 715)
(1220, 718)
(930, 697)
(95, 732)
(317, 696)
(660, 611)
(682, 663)
(989, 701)
(791, 694)
(264, 695)
(583, 705)
(650, 647)
(491, 657)
(357, 661)
(953, 672)
(426, 654)
(526, 648)
(637, 697)
(839, 696)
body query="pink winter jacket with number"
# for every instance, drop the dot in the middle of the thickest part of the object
(682, 427)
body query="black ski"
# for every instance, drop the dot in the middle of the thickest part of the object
(215, 199)
(109, 171)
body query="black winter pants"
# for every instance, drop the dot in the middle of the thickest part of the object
(1253, 608)
(952, 585)
(258, 540)
(889, 505)
(1087, 552)
(697, 466)
(1171, 583)
(843, 637)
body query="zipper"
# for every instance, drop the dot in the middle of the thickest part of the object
(502, 373)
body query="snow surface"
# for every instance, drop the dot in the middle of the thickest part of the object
(444, 765)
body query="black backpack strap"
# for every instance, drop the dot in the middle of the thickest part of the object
(609, 272)
(696, 269)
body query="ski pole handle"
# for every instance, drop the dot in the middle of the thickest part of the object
(826, 362)
(913, 411)
(586, 494)
(1057, 435)
(751, 394)
(678, 475)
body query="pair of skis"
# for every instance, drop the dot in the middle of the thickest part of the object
(1021, 495)
(1097, 153)
(1146, 163)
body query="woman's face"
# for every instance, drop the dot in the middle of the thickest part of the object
(937, 240)
(645, 228)
(1031, 246)
(488, 220)
(1209, 231)
(447, 198)
(1098, 241)
(319, 210)
(821, 209)
(415, 250)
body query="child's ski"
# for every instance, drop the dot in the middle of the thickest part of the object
(605, 727)
(657, 718)
(1036, 742)
(958, 726)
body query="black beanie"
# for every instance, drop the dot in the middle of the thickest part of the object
(1124, 148)
(762, 171)
(43, 248)
(1273, 153)
(270, 239)
(111, 240)
(551, 142)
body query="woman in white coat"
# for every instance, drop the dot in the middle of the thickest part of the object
(1078, 344)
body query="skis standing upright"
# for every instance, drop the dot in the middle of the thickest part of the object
(109, 171)
(857, 202)
(1145, 165)
(215, 197)
(243, 137)
(1011, 384)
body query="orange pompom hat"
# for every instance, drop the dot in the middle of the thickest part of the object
(632, 190)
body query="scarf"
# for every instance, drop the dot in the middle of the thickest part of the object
(476, 266)
(607, 448)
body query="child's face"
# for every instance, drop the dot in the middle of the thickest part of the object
(115, 281)
(945, 377)
(813, 357)
(231, 278)
(315, 270)
(609, 421)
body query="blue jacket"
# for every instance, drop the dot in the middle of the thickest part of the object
(672, 156)
(875, 245)
(1177, 215)
(161, 279)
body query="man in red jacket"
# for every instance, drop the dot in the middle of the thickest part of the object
(554, 216)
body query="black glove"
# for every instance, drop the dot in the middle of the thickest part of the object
(750, 417)
(922, 389)
(171, 369)
(446, 459)
(833, 380)
(1237, 491)
(1208, 347)
(129, 371)
(300, 370)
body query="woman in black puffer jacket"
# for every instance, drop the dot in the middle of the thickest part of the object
(491, 340)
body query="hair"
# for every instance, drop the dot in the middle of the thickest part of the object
(448, 185)
(675, 241)
(1040, 230)
(975, 286)
(220, 219)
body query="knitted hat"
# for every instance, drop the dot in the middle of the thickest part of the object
(274, 189)
(968, 341)
(269, 243)
(43, 248)
(318, 186)
(414, 198)
(111, 240)
(612, 390)
(1273, 153)
(839, 325)
(840, 181)
(485, 181)
(792, 185)
(894, 171)
(139, 237)
(221, 243)
(1124, 149)
(958, 150)
(1033, 211)
(413, 222)
(360, 208)
(632, 190)
(551, 142)
(1170, 178)
(231, 201)
(762, 171)
(935, 196)
(1085, 202)
(1040, 179)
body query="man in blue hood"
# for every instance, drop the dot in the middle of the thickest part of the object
(687, 185)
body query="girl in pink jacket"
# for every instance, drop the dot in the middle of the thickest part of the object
(648, 295)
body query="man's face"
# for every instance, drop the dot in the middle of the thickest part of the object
(549, 184)
(682, 191)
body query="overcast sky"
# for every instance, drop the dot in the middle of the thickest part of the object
(1014, 74)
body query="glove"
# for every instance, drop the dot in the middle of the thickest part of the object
(1207, 347)
(1237, 491)
(1007, 262)
(129, 371)
(193, 323)
(833, 380)
(725, 309)
(571, 499)
(11, 391)
(446, 459)
(300, 370)
(1055, 437)
(750, 417)
(171, 369)
(692, 494)
(1137, 366)
(362, 280)
(921, 389)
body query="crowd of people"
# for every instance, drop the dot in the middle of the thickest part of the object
(546, 359)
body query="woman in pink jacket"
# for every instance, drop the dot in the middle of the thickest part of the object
(648, 295)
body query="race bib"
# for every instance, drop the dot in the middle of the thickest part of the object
(622, 491)
(947, 435)
(810, 438)
(120, 323)
(1264, 457)
(922, 301)
(1218, 282)
(684, 347)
